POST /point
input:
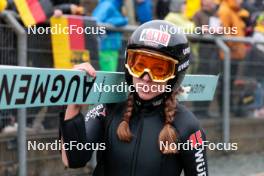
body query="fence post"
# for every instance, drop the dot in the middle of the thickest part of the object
(129, 4)
(22, 61)
(226, 90)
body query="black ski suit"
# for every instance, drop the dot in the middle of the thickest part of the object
(140, 157)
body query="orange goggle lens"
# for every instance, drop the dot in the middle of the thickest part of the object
(160, 68)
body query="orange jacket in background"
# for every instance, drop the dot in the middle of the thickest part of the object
(231, 15)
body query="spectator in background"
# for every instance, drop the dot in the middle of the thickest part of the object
(177, 17)
(3, 5)
(255, 7)
(60, 7)
(259, 31)
(143, 10)
(162, 8)
(250, 6)
(208, 61)
(259, 4)
(232, 17)
(10, 5)
(252, 69)
(7, 122)
(67, 7)
(109, 11)
(206, 14)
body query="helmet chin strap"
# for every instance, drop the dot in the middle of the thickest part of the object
(154, 102)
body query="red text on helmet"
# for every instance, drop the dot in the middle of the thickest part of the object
(155, 36)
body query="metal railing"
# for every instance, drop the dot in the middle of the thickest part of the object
(22, 61)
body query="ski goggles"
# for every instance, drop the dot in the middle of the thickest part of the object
(159, 67)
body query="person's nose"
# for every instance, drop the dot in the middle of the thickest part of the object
(146, 77)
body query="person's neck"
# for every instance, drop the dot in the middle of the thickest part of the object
(149, 105)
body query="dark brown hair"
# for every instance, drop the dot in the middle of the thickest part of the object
(123, 130)
(168, 133)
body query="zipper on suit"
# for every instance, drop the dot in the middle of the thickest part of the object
(137, 145)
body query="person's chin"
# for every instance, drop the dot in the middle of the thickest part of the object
(145, 95)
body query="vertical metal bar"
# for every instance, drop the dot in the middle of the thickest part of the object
(22, 61)
(129, 4)
(22, 152)
(226, 90)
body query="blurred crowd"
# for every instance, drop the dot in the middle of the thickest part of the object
(222, 16)
(246, 17)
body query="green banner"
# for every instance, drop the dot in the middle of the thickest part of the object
(22, 87)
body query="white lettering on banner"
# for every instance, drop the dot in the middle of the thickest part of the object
(59, 89)
(199, 158)
(155, 36)
(184, 65)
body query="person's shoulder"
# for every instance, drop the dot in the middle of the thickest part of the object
(185, 122)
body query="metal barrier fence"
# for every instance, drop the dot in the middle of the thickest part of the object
(21, 45)
(205, 60)
(8, 56)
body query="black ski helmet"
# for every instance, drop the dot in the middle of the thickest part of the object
(165, 38)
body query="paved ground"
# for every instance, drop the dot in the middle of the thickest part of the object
(237, 165)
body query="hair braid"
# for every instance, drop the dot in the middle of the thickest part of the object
(123, 130)
(168, 134)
